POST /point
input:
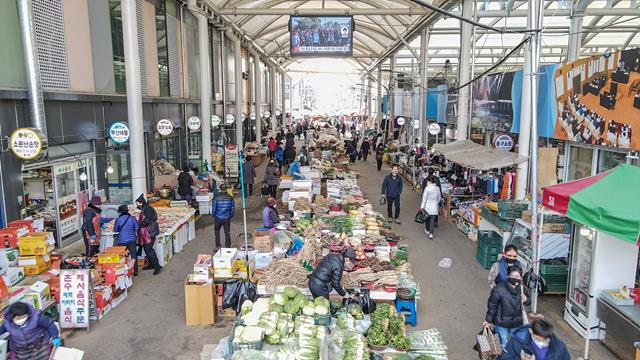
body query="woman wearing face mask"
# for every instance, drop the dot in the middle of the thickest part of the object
(505, 305)
(31, 333)
(270, 215)
(498, 271)
(536, 342)
(149, 229)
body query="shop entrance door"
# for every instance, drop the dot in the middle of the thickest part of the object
(119, 181)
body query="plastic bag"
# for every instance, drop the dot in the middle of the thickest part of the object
(362, 298)
(445, 263)
(420, 217)
(383, 200)
(222, 350)
(236, 292)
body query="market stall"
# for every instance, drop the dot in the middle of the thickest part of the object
(284, 320)
(604, 257)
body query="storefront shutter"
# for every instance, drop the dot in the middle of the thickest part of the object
(175, 80)
(143, 74)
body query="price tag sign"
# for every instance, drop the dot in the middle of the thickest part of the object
(434, 129)
(26, 143)
(229, 119)
(119, 132)
(193, 123)
(164, 127)
(503, 142)
(74, 298)
(215, 120)
(400, 120)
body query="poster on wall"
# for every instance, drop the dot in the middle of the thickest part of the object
(68, 210)
(492, 105)
(74, 298)
(598, 100)
(231, 161)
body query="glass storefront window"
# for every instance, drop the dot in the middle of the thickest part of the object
(163, 54)
(580, 162)
(609, 159)
(195, 146)
(117, 44)
(167, 148)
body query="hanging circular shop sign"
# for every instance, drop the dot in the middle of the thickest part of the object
(119, 132)
(503, 142)
(400, 120)
(164, 127)
(278, 112)
(252, 116)
(193, 123)
(416, 124)
(434, 128)
(26, 143)
(244, 117)
(215, 120)
(267, 114)
(229, 119)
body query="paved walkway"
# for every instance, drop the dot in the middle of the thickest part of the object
(150, 323)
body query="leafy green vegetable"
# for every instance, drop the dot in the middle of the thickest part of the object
(400, 342)
(291, 292)
(280, 298)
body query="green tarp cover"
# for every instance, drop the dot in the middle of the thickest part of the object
(611, 205)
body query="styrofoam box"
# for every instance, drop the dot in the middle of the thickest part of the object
(301, 185)
(224, 258)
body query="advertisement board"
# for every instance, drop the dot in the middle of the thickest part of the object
(231, 161)
(321, 35)
(74, 298)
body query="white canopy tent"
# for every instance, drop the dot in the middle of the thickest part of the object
(476, 156)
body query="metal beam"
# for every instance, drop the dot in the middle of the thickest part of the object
(401, 38)
(557, 12)
(324, 12)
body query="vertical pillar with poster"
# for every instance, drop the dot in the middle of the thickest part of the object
(231, 162)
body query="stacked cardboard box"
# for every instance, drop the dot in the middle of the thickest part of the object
(116, 266)
(34, 249)
(200, 298)
(263, 241)
(224, 262)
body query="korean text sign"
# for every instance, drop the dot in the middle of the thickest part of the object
(74, 298)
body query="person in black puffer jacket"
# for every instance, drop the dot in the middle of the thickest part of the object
(505, 305)
(328, 274)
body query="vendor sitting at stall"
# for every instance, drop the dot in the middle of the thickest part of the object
(270, 215)
(31, 333)
(294, 170)
(328, 273)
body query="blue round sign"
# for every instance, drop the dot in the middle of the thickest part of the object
(119, 132)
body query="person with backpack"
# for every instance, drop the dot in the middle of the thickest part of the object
(127, 228)
(149, 229)
(223, 210)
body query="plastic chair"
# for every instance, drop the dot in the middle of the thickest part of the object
(408, 308)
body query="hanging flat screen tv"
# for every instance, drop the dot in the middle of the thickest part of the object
(321, 35)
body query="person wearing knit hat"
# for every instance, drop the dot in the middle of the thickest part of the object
(91, 223)
(270, 215)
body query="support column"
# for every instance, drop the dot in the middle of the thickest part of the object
(391, 99)
(237, 65)
(464, 70)
(575, 36)
(535, 16)
(379, 99)
(134, 99)
(368, 99)
(424, 86)
(274, 121)
(524, 136)
(205, 86)
(257, 81)
(282, 97)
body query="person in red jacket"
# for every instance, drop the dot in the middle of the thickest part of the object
(271, 146)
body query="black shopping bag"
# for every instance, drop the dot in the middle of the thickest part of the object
(236, 292)
(420, 217)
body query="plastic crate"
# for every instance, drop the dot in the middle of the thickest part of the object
(559, 269)
(511, 214)
(495, 219)
(556, 288)
(233, 347)
(512, 205)
(487, 254)
(489, 238)
(324, 320)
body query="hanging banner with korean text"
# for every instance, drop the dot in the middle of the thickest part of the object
(74, 298)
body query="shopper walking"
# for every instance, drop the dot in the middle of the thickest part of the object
(429, 205)
(289, 155)
(379, 153)
(506, 304)
(223, 210)
(185, 185)
(498, 271)
(272, 177)
(31, 333)
(149, 229)
(127, 228)
(91, 226)
(270, 215)
(271, 146)
(536, 342)
(280, 157)
(327, 275)
(391, 189)
(364, 149)
(249, 173)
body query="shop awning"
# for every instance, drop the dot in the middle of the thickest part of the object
(607, 202)
(476, 156)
